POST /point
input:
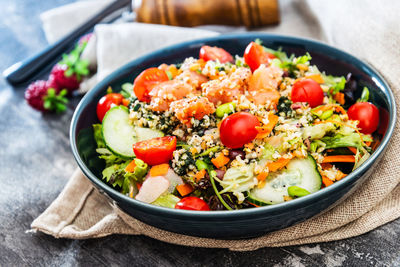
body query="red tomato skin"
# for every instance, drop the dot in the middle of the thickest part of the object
(106, 102)
(192, 203)
(146, 80)
(254, 56)
(155, 151)
(307, 90)
(367, 114)
(238, 129)
(213, 53)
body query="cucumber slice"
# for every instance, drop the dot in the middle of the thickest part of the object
(299, 172)
(147, 133)
(166, 200)
(119, 135)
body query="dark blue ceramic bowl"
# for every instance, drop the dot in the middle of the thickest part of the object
(239, 223)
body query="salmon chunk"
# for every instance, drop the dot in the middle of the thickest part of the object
(193, 78)
(193, 107)
(263, 85)
(227, 88)
(163, 94)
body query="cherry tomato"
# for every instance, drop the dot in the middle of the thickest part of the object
(192, 203)
(146, 81)
(367, 114)
(106, 102)
(155, 151)
(213, 53)
(307, 90)
(238, 129)
(255, 55)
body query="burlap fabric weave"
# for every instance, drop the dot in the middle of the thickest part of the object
(367, 29)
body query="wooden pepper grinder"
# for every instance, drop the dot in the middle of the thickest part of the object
(250, 13)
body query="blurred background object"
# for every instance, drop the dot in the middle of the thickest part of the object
(250, 13)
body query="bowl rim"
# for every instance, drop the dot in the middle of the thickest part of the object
(276, 208)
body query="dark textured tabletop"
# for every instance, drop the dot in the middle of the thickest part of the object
(36, 161)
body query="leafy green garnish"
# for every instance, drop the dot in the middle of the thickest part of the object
(55, 102)
(336, 84)
(75, 64)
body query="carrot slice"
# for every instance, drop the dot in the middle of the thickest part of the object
(339, 158)
(326, 181)
(125, 102)
(220, 161)
(352, 149)
(279, 164)
(131, 166)
(339, 97)
(184, 189)
(265, 130)
(159, 170)
(375, 144)
(200, 175)
(253, 204)
(262, 176)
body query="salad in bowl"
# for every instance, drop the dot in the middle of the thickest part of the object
(226, 132)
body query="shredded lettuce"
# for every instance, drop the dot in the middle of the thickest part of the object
(239, 179)
(318, 131)
(351, 140)
(337, 84)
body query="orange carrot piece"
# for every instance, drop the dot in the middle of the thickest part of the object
(326, 181)
(265, 130)
(339, 97)
(368, 143)
(375, 144)
(125, 102)
(131, 166)
(220, 161)
(262, 176)
(339, 158)
(159, 170)
(184, 189)
(200, 175)
(352, 149)
(316, 77)
(279, 164)
(253, 204)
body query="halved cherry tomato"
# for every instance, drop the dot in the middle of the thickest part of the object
(155, 151)
(367, 114)
(238, 129)
(192, 203)
(106, 102)
(307, 90)
(255, 55)
(213, 53)
(146, 80)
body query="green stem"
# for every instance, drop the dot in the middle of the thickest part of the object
(211, 174)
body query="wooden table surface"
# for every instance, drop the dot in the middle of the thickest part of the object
(36, 161)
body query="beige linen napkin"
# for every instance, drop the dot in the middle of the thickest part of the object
(81, 212)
